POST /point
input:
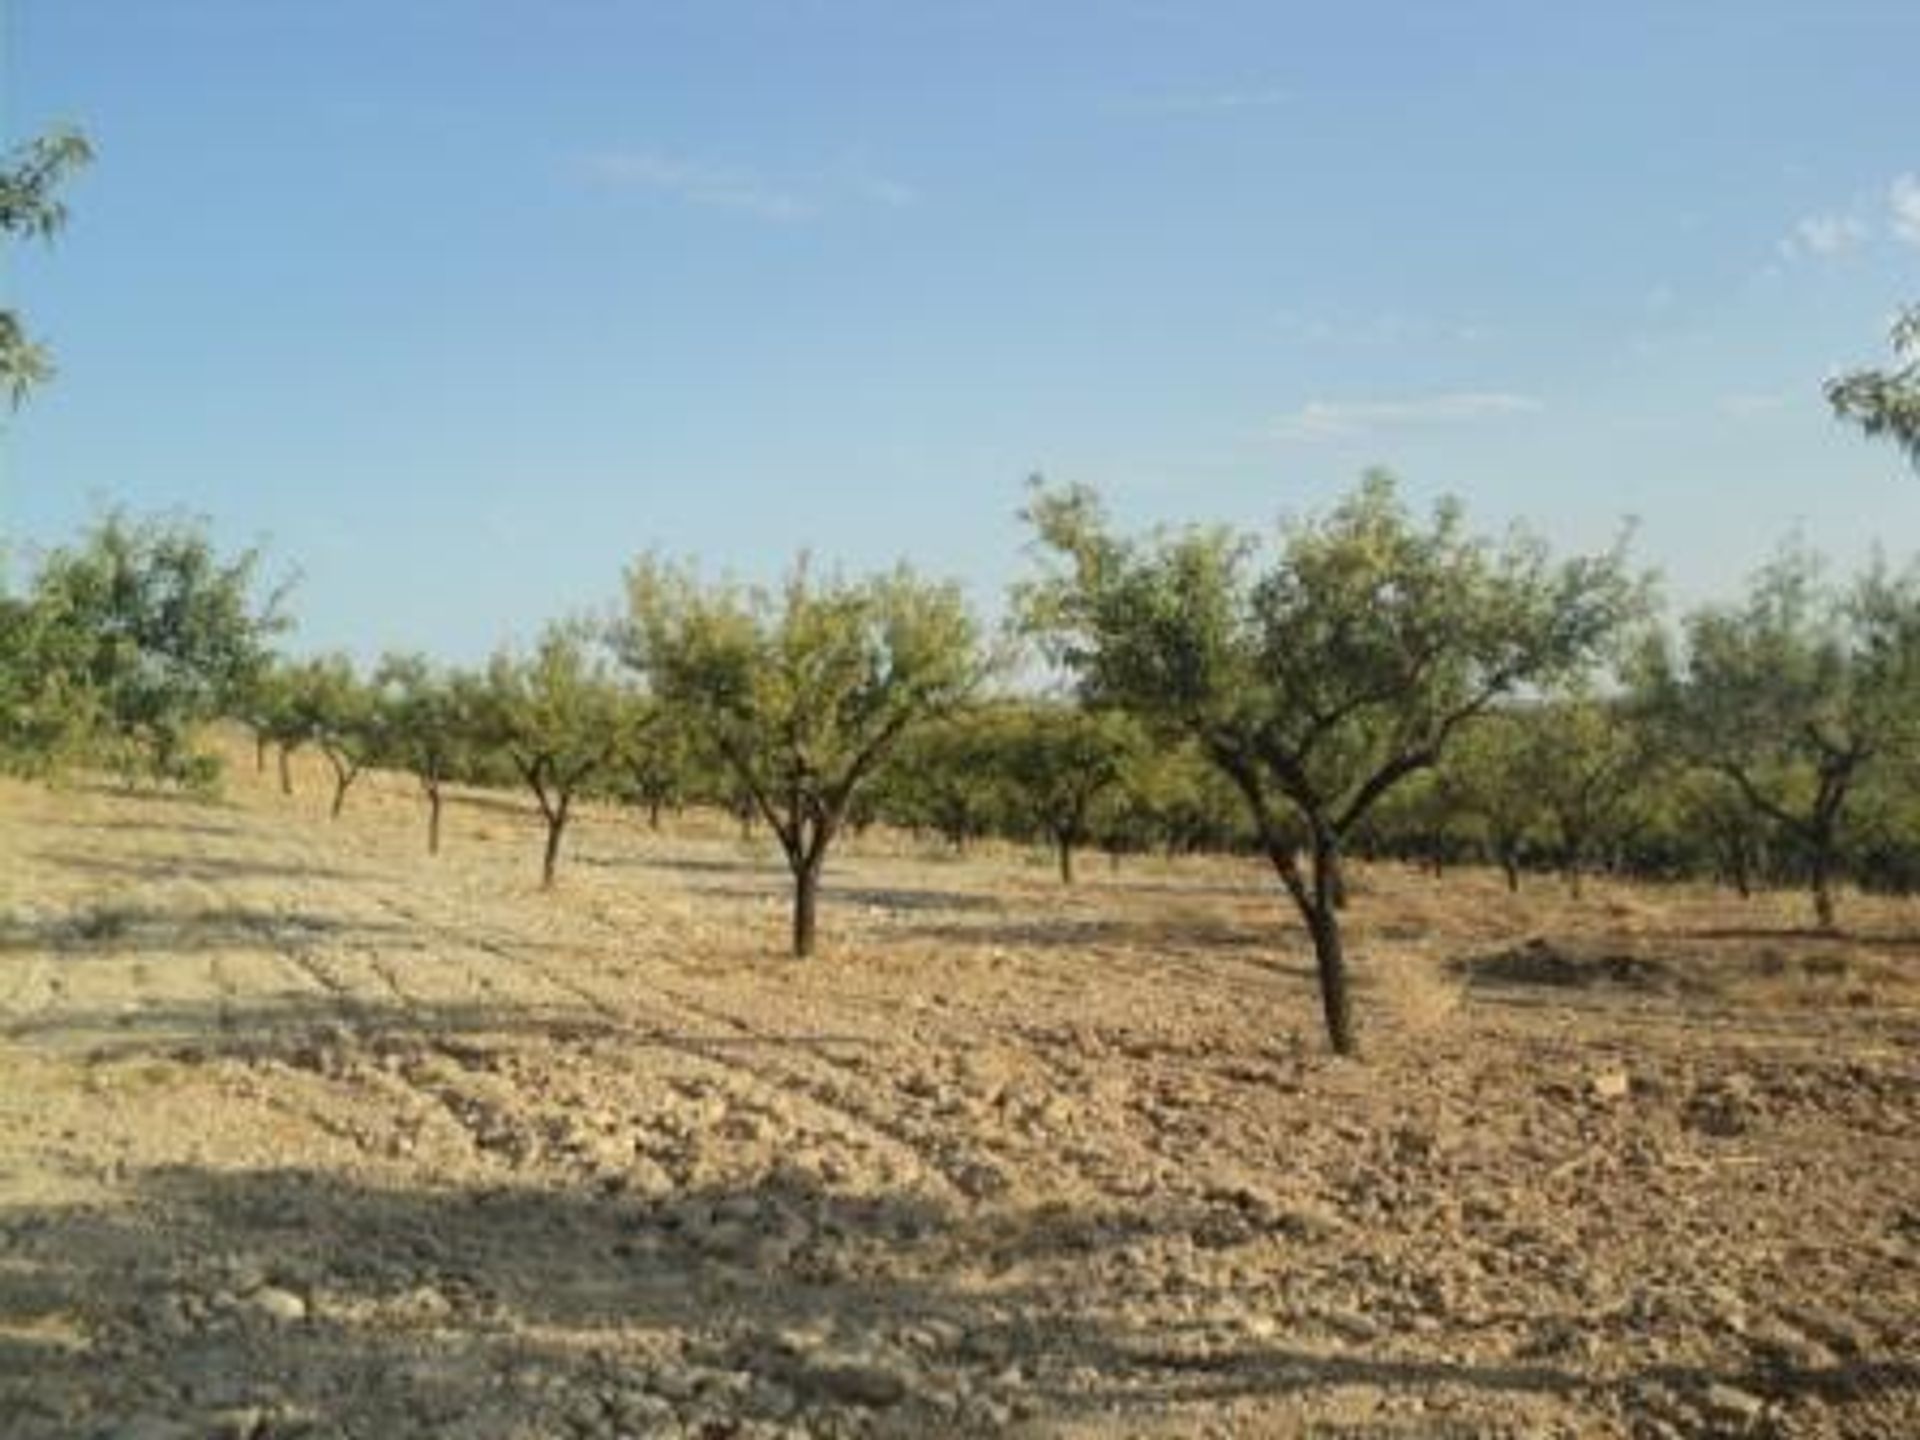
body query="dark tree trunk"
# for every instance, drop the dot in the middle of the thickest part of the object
(556, 827)
(286, 771)
(259, 754)
(1330, 960)
(806, 907)
(343, 778)
(1823, 905)
(1336, 881)
(1064, 846)
(1313, 896)
(1510, 867)
(653, 816)
(433, 820)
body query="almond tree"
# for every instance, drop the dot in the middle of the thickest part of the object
(430, 723)
(802, 689)
(1793, 695)
(1328, 675)
(155, 631)
(1059, 760)
(1491, 778)
(557, 714)
(950, 776)
(341, 715)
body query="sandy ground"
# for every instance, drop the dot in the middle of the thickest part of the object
(303, 1133)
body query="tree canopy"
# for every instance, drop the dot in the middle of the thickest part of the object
(804, 688)
(1323, 677)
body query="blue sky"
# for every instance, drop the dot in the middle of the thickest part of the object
(460, 304)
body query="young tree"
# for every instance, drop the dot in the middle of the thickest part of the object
(1593, 765)
(1792, 695)
(950, 776)
(656, 754)
(1059, 760)
(430, 719)
(1887, 402)
(275, 707)
(30, 205)
(328, 705)
(557, 713)
(160, 634)
(804, 689)
(1491, 778)
(1318, 684)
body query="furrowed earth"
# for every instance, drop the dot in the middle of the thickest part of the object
(305, 1133)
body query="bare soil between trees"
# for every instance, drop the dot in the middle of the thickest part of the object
(303, 1133)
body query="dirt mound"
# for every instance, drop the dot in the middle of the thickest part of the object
(1542, 962)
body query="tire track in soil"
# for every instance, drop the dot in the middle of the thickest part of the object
(664, 1020)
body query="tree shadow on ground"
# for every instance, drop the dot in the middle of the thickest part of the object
(116, 929)
(1797, 934)
(203, 828)
(314, 1030)
(322, 1304)
(205, 868)
(1541, 963)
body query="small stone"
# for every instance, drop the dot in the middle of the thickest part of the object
(283, 1307)
(1610, 1085)
(241, 1423)
(1730, 1402)
(150, 1427)
(858, 1382)
(675, 1384)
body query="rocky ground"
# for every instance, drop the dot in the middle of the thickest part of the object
(302, 1133)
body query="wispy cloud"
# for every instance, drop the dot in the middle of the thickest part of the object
(1903, 199)
(1824, 236)
(1838, 232)
(1388, 329)
(846, 183)
(1320, 421)
(1214, 102)
(695, 183)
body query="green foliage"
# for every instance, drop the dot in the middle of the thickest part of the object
(1320, 681)
(558, 715)
(1059, 761)
(803, 689)
(1565, 778)
(1791, 696)
(950, 776)
(429, 717)
(30, 206)
(1886, 402)
(129, 641)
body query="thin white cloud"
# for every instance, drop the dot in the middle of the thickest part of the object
(1215, 102)
(1824, 236)
(709, 186)
(1903, 199)
(1388, 329)
(1320, 421)
(883, 190)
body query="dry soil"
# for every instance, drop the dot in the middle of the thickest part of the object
(304, 1133)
